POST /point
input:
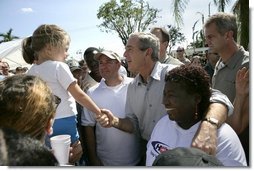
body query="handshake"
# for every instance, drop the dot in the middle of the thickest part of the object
(107, 119)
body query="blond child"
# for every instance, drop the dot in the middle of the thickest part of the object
(47, 50)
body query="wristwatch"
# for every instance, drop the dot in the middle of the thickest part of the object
(213, 121)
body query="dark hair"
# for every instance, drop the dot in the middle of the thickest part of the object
(19, 68)
(224, 22)
(27, 52)
(17, 149)
(194, 80)
(91, 51)
(89, 58)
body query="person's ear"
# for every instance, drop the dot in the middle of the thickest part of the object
(149, 52)
(48, 50)
(49, 128)
(166, 44)
(229, 35)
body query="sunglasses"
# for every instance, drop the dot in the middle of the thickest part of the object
(57, 100)
(179, 50)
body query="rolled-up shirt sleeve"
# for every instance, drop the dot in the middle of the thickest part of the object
(219, 97)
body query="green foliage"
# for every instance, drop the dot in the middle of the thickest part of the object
(175, 36)
(221, 4)
(7, 36)
(199, 40)
(198, 37)
(178, 7)
(126, 17)
(242, 15)
(240, 9)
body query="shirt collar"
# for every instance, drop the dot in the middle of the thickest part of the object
(155, 74)
(235, 58)
(104, 85)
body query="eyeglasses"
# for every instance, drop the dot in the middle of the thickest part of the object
(179, 50)
(57, 100)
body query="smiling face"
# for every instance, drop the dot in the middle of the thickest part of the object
(181, 105)
(186, 94)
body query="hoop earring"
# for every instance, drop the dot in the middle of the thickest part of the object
(196, 113)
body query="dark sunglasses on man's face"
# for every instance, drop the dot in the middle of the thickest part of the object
(179, 50)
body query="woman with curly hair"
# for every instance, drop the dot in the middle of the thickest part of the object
(186, 98)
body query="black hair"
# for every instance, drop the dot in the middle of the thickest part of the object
(194, 80)
(18, 149)
(91, 51)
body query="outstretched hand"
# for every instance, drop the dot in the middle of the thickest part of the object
(206, 138)
(105, 118)
(242, 81)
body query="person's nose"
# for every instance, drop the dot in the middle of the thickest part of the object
(126, 55)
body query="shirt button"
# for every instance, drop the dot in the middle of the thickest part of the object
(150, 105)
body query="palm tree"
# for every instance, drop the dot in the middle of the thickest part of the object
(7, 36)
(241, 10)
(221, 4)
(178, 9)
(194, 32)
(180, 5)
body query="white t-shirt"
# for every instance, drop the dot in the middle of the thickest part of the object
(168, 135)
(114, 147)
(58, 77)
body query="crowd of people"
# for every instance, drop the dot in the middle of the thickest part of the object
(130, 112)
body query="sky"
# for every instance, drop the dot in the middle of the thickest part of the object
(79, 19)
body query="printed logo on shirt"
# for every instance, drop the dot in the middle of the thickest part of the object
(159, 147)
